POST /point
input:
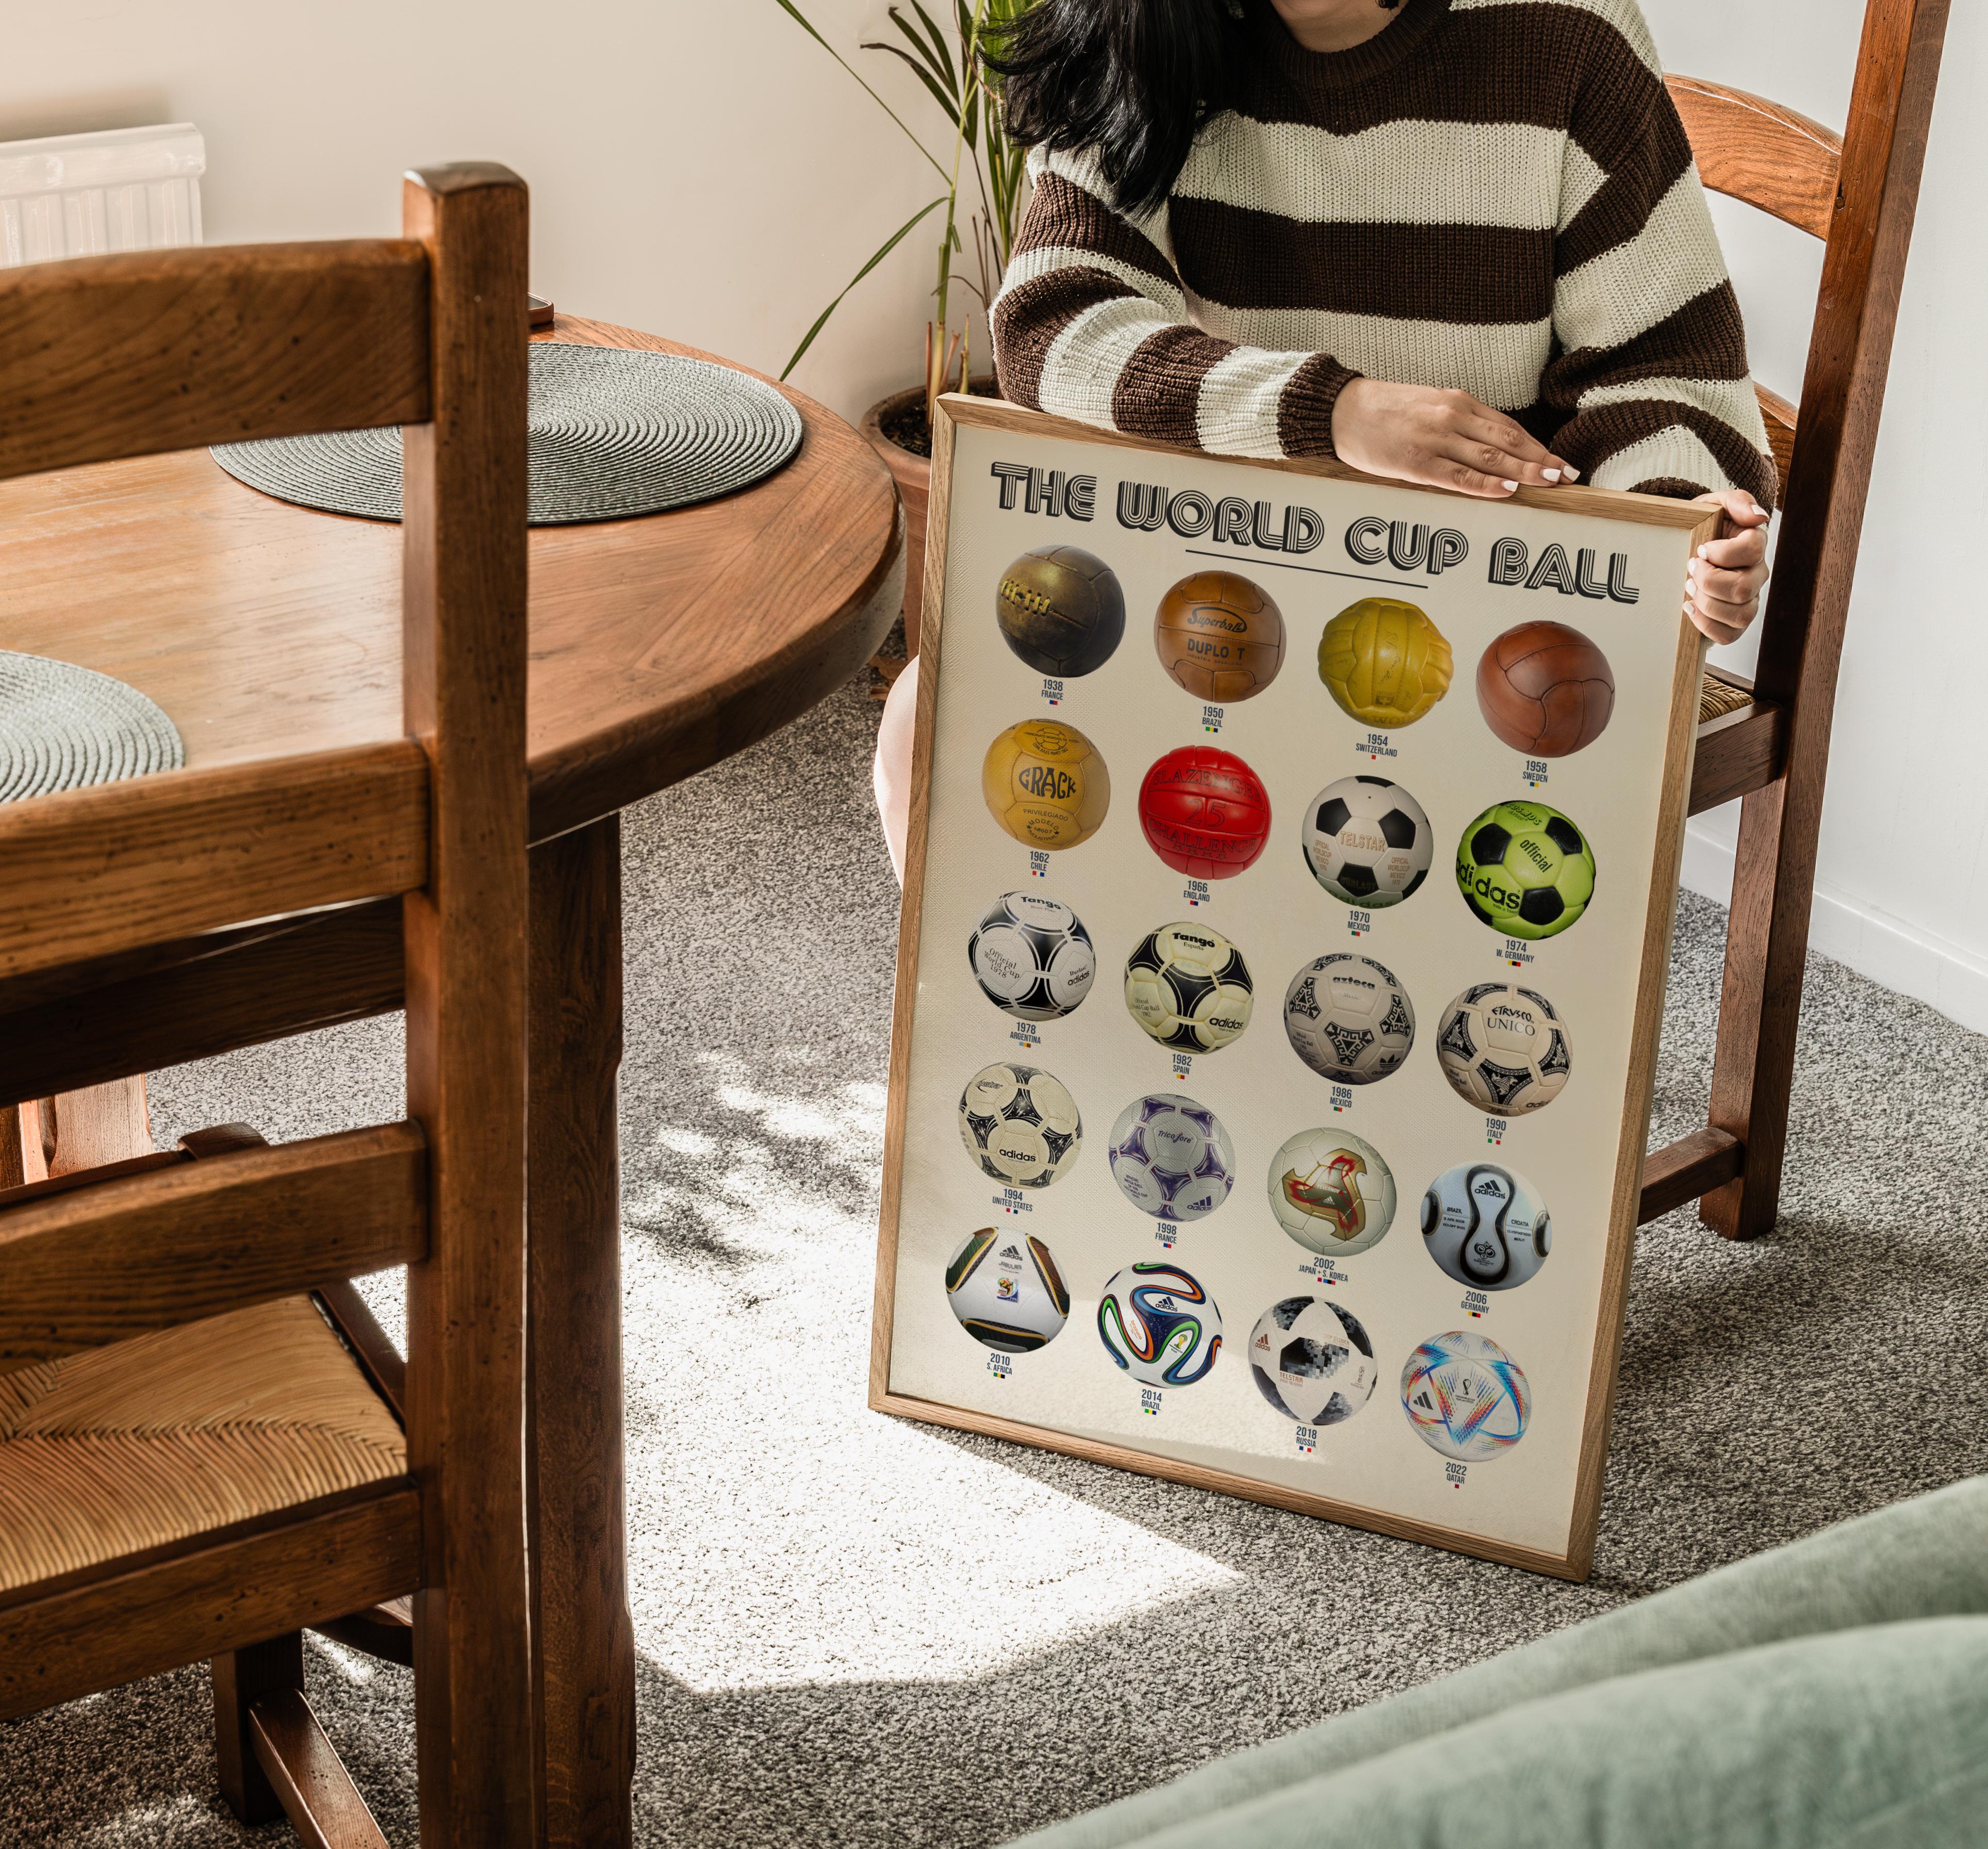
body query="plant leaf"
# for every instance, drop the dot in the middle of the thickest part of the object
(890, 244)
(938, 41)
(948, 103)
(800, 19)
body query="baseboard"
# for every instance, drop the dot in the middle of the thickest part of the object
(1901, 956)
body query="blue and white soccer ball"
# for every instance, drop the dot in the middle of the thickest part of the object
(1311, 1359)
(1006, 1291)
(1032, 957)
(1465, 1397)
(1172, 1158)
(1159, 1325)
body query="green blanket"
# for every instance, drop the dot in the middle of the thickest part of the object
(1833, 1692)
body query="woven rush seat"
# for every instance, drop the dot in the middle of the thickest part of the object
(1718, 697)
(168, 1437)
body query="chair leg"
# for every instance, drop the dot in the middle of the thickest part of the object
(582, 1634)
(1759, 1009)
(242, 1678)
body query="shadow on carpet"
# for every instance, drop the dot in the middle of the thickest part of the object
(857, 1630)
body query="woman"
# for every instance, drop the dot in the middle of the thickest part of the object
(1458, 242)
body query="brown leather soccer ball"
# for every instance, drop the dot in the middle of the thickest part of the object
(1545, 689)
(1219, 636)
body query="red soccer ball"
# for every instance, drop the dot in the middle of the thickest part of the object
(1206, 812)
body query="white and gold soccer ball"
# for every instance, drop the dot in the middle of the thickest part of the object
(1348, 1019)
(1020, 1124)
(1188, 987)
(1332, 1192)
(1505, 1048)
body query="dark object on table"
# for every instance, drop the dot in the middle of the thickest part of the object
(540, 311)
(614, 433)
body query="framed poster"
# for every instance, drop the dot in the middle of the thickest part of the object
(1287, 915)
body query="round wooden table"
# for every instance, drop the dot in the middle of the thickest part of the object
(658, 647)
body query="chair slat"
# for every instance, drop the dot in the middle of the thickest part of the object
(149, 351)
(201, 1599)
(1756, 151)
(101, 1264)
(1779, 415)
(94, 872)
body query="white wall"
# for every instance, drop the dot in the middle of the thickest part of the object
(1902, 887)
(702, 170)
(705, 171)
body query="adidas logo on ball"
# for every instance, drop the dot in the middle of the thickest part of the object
(1263, 1341)
(1487, 1186)
(1011, 1252)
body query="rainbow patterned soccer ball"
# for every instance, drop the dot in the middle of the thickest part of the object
(1465, 1397)
(1159, 1325)
(1172, 1158)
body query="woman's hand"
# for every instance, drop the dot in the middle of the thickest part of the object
(1722, 593)
(1440, 439)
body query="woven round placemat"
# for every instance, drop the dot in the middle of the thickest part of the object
(62, 727)
(614, 433)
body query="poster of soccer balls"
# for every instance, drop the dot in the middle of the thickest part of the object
(1287, 905)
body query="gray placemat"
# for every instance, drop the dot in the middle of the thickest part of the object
(614, 433)
(62, 727)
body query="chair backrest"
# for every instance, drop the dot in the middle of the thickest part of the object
(1859, 193)
(140, 353)
(1772, 159)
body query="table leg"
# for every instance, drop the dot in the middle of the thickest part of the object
(582, 1637)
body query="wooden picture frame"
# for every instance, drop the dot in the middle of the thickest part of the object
(1616, 957)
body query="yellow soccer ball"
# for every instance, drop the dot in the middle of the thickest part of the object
(1045, 784)
(1384, 662)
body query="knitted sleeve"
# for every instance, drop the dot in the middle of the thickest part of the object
(1091, 324)
(1648, 385)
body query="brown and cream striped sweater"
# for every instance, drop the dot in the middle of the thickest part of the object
(1492, 195)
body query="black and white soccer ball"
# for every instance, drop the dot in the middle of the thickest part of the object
(1368, 841)
(1020, 1124)
(1188, 987)
(1311, 1359)
(1032, 957)
(1504, 1048)
(1486, 1225)
(1348, 1019)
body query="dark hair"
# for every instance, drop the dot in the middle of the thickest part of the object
(1133, 80)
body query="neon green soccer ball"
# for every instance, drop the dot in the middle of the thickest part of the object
(1525, 869)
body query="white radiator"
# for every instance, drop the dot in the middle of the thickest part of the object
(81, 195)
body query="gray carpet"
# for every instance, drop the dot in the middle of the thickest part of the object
(855, 1630)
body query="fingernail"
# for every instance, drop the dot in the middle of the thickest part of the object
(1572, 474)
(1512, 487)
(1704, 551)
(1552, 474)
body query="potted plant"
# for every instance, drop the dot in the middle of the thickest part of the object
(982, 158)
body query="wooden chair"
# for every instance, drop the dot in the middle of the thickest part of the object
(1768, 740)
(199, 1455)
